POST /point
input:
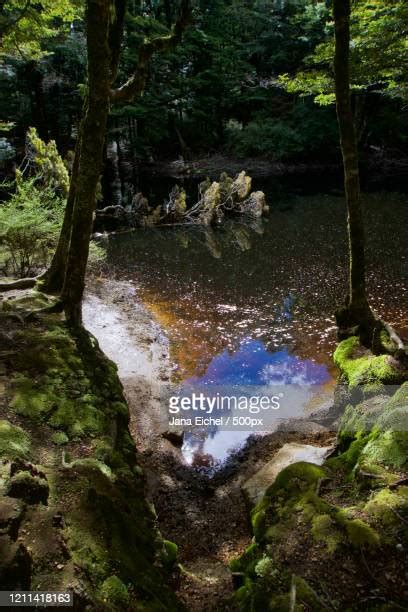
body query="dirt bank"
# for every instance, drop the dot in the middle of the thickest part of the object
(206, 517)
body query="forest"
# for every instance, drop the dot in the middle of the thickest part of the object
(203, 305)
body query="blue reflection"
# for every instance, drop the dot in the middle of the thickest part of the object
(250, 364)
(253, 364)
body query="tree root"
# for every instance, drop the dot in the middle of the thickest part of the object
(21, 283)
(399, 483)
(394, 336)
(34, 315)
(5, 314)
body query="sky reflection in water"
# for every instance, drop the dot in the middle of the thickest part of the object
(250, 365)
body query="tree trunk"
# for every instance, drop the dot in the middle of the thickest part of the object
(357, 312)
(91, 152)
(53, 279)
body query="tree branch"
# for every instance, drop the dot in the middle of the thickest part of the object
(135, 85)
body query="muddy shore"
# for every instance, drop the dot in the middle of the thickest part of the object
(206, 517)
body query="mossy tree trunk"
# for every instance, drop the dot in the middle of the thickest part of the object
(52, 280)
(357, 312)
(89, 154)
(105, 22)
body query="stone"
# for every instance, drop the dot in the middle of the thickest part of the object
(32, 489)
(255, 487)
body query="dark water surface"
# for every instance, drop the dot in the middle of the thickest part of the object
(245, 301)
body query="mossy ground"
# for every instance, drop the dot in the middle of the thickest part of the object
(85, 524)
(335, 537)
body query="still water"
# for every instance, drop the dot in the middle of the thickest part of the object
(247, 301)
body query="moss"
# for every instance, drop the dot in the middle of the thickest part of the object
(388, 443)
(324, 529)
(258, 525)
(170, 553)
(78, 421)
(348, 460)
(387, 506)
(64, 382)
(365, 369)
(114, 593)
(359, 533)
(306, 594)
(294, 479)
(31, 401)
(14, 441)
(248, 556)
(60, 438)
(110, 532)
(25, 486)
(32, 301)
(388, 447)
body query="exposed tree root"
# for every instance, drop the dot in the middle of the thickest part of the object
(399, 483)
(4, 314)
(53, 309)
(394, 336)
(363, 323)
(21, 283)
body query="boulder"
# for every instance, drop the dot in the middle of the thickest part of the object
(255, 487)
(32, 489)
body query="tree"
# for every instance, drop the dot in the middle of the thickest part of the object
(357, 311)
(105, 23)
(104, 37)
(26, 24)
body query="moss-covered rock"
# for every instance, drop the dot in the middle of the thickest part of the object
(115, 594)
(32, 489)
(361, 367)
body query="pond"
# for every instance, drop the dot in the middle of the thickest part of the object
(247, 303)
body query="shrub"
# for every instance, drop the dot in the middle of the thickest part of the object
(264, 137)
(29, 227)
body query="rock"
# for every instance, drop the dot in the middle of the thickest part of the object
(176, 437)
(303, 426)
(32, 489)
(255, 487)
(15, 565)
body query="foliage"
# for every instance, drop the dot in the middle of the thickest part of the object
(26, 24)
(48, 164)
(243, 80)
(262, 137)
(377, 54)
(29, 226)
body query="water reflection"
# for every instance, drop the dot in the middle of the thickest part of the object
(251, 366)
(242, 302)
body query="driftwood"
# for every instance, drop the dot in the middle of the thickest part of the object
(216, 200)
